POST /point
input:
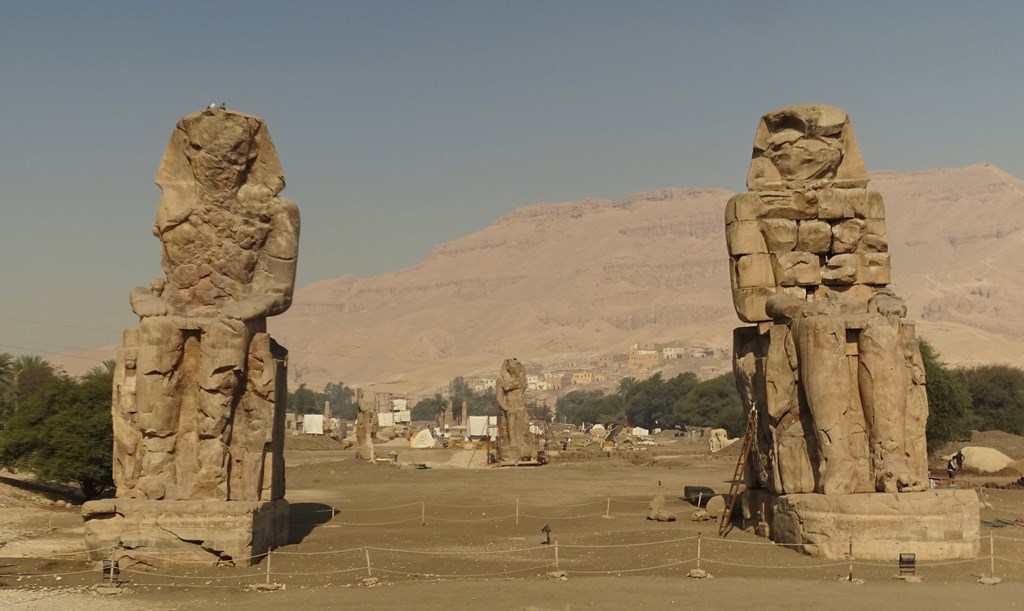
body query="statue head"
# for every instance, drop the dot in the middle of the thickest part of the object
(222, 153)
(803, 145)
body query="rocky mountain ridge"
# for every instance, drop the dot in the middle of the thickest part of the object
(560, 283)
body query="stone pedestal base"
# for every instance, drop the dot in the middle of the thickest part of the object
(935, 525)
(163, 533)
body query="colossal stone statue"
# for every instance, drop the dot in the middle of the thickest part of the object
(832, 370)
(366, 426)
(513, 419)
(198, 402)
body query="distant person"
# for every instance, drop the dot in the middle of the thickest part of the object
(956, 462)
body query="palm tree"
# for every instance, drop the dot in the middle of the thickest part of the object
(31, 372)
(6, 374)
(99, 371)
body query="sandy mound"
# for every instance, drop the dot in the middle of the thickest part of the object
(985, 460)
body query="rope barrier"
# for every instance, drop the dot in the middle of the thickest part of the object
(376, 523)
(1008, 559)
(358, 568)
(758, 566)
(589, 515)
(533, 568)
(417, 503)
(207, 577)
(452, 552)
(472, 506)
(328, 552)
(571, 546)
(645, 568)
(473, 519)
(923, 563)
(564, 506)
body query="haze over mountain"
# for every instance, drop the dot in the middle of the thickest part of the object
(555, 284)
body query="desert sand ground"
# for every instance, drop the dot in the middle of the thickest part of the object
(471, 553)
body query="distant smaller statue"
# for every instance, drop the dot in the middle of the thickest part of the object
(366, 426)
(513, 419)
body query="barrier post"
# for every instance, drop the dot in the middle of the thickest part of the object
(369, 571)
(517, 511)
(423, 513)
(991, 555)
(698, 551)
(268, 565)
(608, 508)
(556, 554)
(850, 554)
(49, 521)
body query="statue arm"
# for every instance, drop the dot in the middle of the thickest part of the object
(145, 301)
(274, 278)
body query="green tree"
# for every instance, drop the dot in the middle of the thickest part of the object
(650, 403)
(30, 374)
(342, 400)
(428, 407)
(62, 432)
(714, 402)
(997, 396)
(949, 402)
(6, 386)
(305, 400)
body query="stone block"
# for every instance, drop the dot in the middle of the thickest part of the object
(934, 524)
(779, 234)
(789, 205)
(751, 271)
(797, 268)
(814, 236)
(744, 207)
(745, 238)
(874, 268)
(869, 205)
(749, 303)
(841, 269)
(846, 235)
(167, 533)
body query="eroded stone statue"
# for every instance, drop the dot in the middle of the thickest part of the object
(366, 426)
(831, 368)
(842, 405)
(199, 387)
(513, 419)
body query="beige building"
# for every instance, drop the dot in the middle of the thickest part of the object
(582, 377)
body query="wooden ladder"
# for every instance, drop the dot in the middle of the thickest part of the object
(725, 520)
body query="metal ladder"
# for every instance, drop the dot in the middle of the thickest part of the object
(725, 520)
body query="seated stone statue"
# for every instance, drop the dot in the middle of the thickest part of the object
(197, 382)
(832, 370)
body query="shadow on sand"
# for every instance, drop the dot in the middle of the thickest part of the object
(304, 517)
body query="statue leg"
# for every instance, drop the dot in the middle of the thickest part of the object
(828, 386)
(223, 363)
(883, 388)
(161, 346)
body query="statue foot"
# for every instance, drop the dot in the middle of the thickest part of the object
(897, 477)
(840, 477)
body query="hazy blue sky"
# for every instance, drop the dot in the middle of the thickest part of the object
(403, 124)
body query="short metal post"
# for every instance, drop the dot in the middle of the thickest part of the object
(608, 508)
(698, 551)
(556, 554)
(850, 553)
(369, 571)
(517, 511)
(423, 513)
(991, 555)
(268, 565)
